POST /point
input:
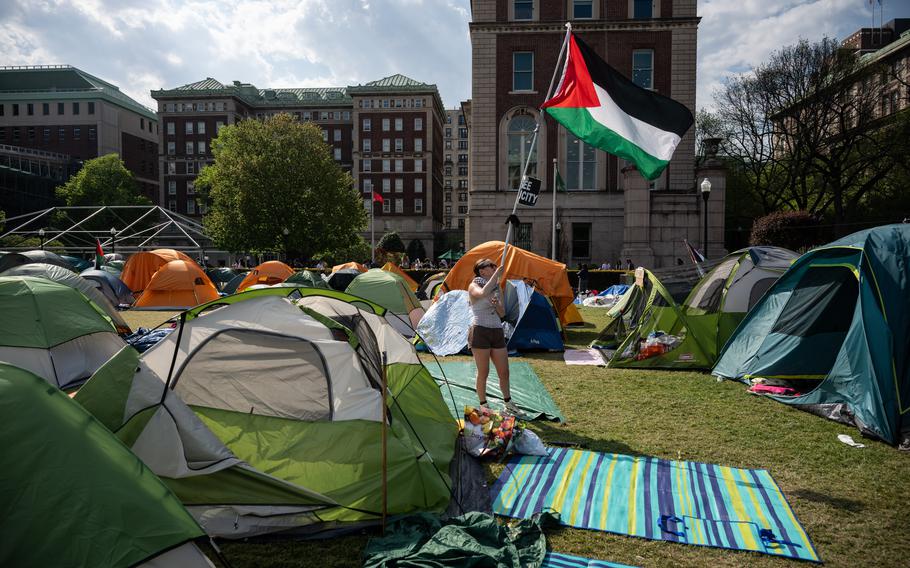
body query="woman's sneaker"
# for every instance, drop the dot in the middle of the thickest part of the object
(511, 408)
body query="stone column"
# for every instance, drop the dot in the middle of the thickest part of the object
(636, 244)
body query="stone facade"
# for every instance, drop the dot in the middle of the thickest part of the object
(610, 212)
(64, 110)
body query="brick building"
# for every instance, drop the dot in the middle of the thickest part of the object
(386, 133)
(457, 154)
(63, 110)
(609, 212)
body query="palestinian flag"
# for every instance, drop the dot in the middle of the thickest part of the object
(600, 106)
(99, 255)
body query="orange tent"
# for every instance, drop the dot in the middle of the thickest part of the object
(412, 284)
(268, 273)
(139, 269)
(548, 276)
(177, 284)
(354, 265)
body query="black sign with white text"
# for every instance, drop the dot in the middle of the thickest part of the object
(529, 191)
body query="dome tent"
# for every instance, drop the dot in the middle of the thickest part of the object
(392, 293)
(74, 495)
(308, 279)
(177, 284)
(392, 267)
(53, 330)
(139, 269)
(267, 273)
(836, 326)
(286, 372)
(111, 286)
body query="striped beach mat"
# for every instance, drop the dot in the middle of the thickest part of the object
(687, 502)
(557, 560)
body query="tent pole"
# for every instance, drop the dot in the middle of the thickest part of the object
(383, 443)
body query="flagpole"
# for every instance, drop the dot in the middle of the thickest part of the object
(524, 169)
(553, 247)
(372, 228)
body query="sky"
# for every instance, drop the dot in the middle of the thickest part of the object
(140, 45)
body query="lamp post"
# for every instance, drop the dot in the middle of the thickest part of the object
(113, 240)
(41, 236)
(285, 232)
(558, 228)
(705, 194)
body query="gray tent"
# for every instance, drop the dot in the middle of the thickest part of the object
(112, 287)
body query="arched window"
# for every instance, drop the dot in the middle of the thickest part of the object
(519, 133)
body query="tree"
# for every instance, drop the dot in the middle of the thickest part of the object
(391, 242)
(416, 250)
(102, 181)
(795, 230)
(278, 174)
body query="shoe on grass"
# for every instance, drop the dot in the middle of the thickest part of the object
(511, 408)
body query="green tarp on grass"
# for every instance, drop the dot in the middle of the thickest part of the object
(527, 391)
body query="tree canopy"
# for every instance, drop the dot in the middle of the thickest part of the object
(278, 174)
(102, 181)
(391, 242)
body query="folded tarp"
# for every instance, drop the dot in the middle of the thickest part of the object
(457, 381)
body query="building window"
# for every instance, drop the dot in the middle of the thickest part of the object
(190, 146)
(523, 9)
(582, 9)
(218, 126)
(172, 168)
(462, 132)
(2, 109)
(170, 129)
(399, 165)
(462, 158)
(366, 165)
(386, 125)
(172, 187)
(367, 145)
(448, 197)
(519, 133)
(462, 196)
(31, 133)
(171, 148)
(325, 135)
(367, 125)
(387, 165)
(91, 107)
(201, 148)
(462, 144)
(523, 71)
(448, 132)
(191, 168)
(190, 187)
(386, 145)
(461, 223)
(77, 133)
(418, 205)
(45, 109)
(448, 210)
(448, 171)
(141, 124)
(200, 127)
(387, 206)
(346, 115)
(386, 185)
(75, 108)
(324, 116)
(188, 127)
(448, 222)
(399, 206)
(581, 164)
(337, 154)
(399, 124)
(642, 9)
(581, 240)
(463, 210)
(172, 205)
(60, 108)
(463, 184)
(337, 135)
(30, 109)
(418, 165)
(15, 109)
(399, 145)
(367, 186)
(418, 185)
(643, 68)
(46, 135)
(462, 170)
(418, 123)
(399, 185)
(523, 236)
(191, 206)
(448, 144)
(418, 144)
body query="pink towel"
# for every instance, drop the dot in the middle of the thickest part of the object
(583, 357)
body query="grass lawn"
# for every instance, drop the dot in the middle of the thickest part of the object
(850, 501)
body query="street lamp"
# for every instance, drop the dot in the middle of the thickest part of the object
(705, 194)
(556, 240)
(41, 236)
(113, 240)
(285, 232)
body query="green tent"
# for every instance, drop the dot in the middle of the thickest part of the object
(72, 495)
(306, 278)
(390, 291)
(451, 255)
(268, 419)
(836, 327)
(220, 276)
(651, 330)
(53, 330)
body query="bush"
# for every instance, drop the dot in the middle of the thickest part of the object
(416, 250)
(391, 242)
(795, 230)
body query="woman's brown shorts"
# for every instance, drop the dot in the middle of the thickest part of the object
(486, 337)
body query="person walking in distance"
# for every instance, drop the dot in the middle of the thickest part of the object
(486, 338)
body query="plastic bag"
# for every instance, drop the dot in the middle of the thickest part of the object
(528, 443)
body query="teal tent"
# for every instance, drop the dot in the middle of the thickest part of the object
(836, 328)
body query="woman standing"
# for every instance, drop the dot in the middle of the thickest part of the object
(486, 338)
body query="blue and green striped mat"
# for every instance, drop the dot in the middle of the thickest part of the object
(557, 560)
(687, 502)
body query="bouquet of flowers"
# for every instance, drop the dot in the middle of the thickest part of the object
(487, 433)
